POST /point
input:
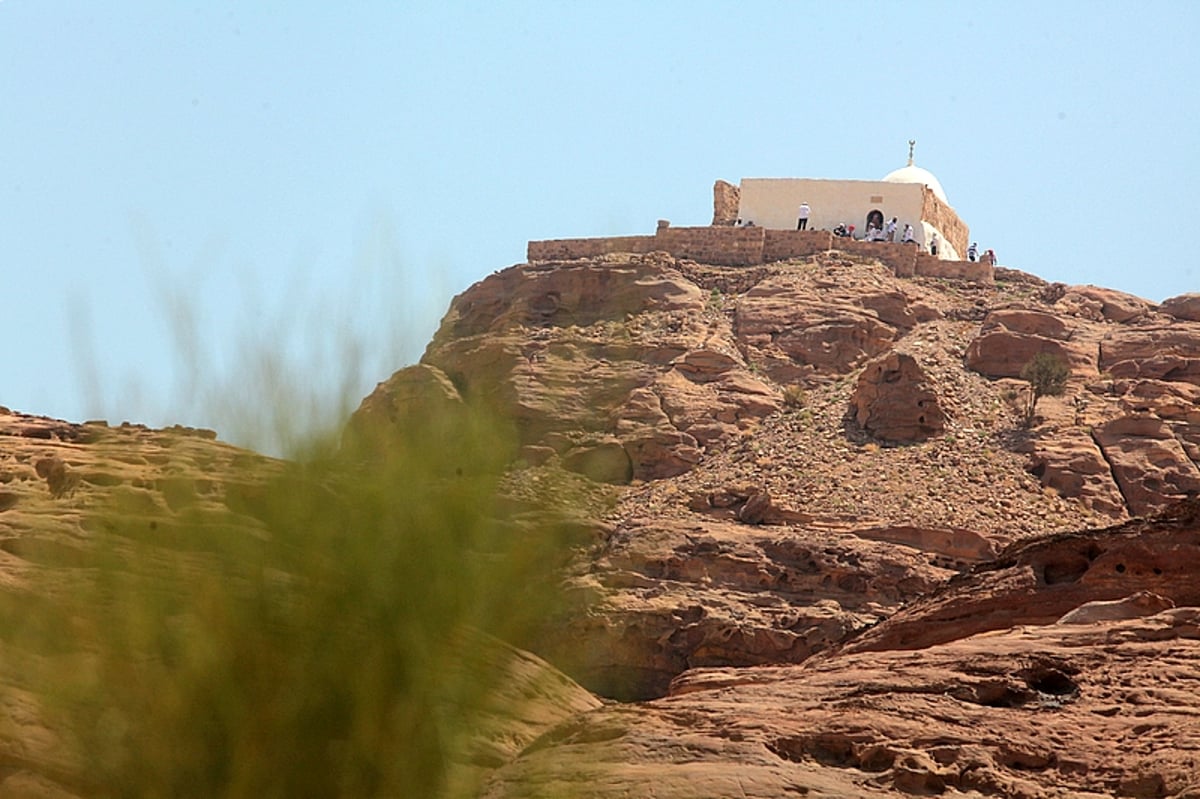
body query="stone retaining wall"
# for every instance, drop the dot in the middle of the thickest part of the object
(572, 249)
(736, 246)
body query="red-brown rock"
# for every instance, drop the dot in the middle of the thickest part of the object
(1163, 352)
(1185, 307)
(895, 400)
(1101, 304)
(1035, 712)
(1149, 464)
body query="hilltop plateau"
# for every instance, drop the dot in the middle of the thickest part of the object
(817, 544)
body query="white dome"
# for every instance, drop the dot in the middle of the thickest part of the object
(915, 174)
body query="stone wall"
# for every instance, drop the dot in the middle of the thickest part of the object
(723, 246)
(780, 245)
(726, 198)
(927, 265)
(748, 246)
(943, 217)
(572, 249)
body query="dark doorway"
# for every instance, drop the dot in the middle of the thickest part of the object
(875, 218)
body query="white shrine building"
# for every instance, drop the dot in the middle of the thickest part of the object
(910, 194)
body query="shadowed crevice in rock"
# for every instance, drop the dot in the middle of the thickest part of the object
(1111, 471)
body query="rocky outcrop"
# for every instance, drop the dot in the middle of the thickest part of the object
(894, 400)
(1055, 670)
(1074, 465)
(795, 329)
(1137, 604)
(632, 368)
(594, 358)
(663, 596)
(1041, 581)
(1009, 338)
(1033, 712)
(1185, 307)
(63, 485)
(1101, 304)
(1149, 464)
(1158, 352)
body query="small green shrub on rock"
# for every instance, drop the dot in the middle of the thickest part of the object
(1047, 375)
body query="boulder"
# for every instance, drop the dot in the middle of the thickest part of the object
(1184, 306)
(1003, 353)
(896, 401)
(794, 332)
(1139, 603)
(1074, 465)
(1148, 462)
(1161, 352)
(1028, 321)
(1101, 304)
(602, 462)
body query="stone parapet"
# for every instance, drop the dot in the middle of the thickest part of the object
(780, 245)
(722, 246)
(749, 246)
(927, 265)
(573, 249)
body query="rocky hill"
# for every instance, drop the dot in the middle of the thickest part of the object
(818, 547)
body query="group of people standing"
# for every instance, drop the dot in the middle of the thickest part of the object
(988, 257)
(888, 233)
(874, 232)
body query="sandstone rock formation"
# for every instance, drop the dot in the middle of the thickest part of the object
(1185, 306)
(815, 548)
(1033, 711)
(1139, 603)
(622, 367)
(895, 401)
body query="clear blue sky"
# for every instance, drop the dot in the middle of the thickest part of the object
(200, 200)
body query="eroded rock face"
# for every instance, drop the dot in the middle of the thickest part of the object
(793, 333)
(1032, 712)
(1185, 306)
(667, 596)
(413, 397)
(1117, 440)
(663, 359)
(565, 294)
(1041, 581)
(56, 477)
(590, 355)
(1101, 304)
(1009, 338)
(1076, 466)
(1148, 462)
(896, 401)
(1026, 678)
(1160, 352)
